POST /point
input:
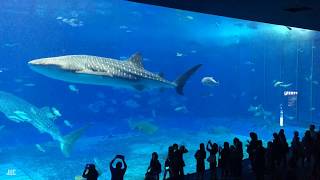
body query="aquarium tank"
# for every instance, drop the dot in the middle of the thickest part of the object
(133, 79)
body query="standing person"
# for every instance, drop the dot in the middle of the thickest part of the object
(251, 147)
(175, 167)
(181, 164)
(270, 158)
(213, 150)
(259, 158)
(296, 149)
(307, 144)
(284, 148)
(232, 165)
(118, 173)
(90, 172)
(225, 160)
(316, 155)
(313, 131)
(276, 149)
(168, 163)
(200, 157)
(154, 168)
(239, 156)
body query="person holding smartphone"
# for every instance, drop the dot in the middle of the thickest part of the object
(90, 172)
(118, 172)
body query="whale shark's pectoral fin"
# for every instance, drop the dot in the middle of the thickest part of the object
(136, 60)
(139, 87)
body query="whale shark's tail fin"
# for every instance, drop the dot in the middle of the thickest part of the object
(181, 81)
(68, 141)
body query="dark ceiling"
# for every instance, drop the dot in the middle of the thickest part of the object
(293, 13)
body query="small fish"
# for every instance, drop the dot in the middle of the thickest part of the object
(189, 17)
(209, 81)
(277, 83)
(59, 18)
(182, 109)
(10, 45)
(123, 27)
(29, 85)
(312, 109)
(178, 54)
(286, 85)
(255, 108)
(40, 148)
(255, 97)
(56, 112)
(281, 84)
(72, 22)
(289, 117)
(193, 51)
(315, 82)
(73, 88)
(67, 123)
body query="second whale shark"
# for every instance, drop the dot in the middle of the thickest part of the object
(95, 70)
(20, 111)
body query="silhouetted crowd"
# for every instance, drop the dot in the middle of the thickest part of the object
(276, 161)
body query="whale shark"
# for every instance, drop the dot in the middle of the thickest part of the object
(20, 111)
(86, 69)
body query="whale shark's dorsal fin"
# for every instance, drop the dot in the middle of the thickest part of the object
(136, 59)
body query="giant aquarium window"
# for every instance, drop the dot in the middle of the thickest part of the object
(58, 114)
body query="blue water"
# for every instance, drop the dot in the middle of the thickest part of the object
(247, 58)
